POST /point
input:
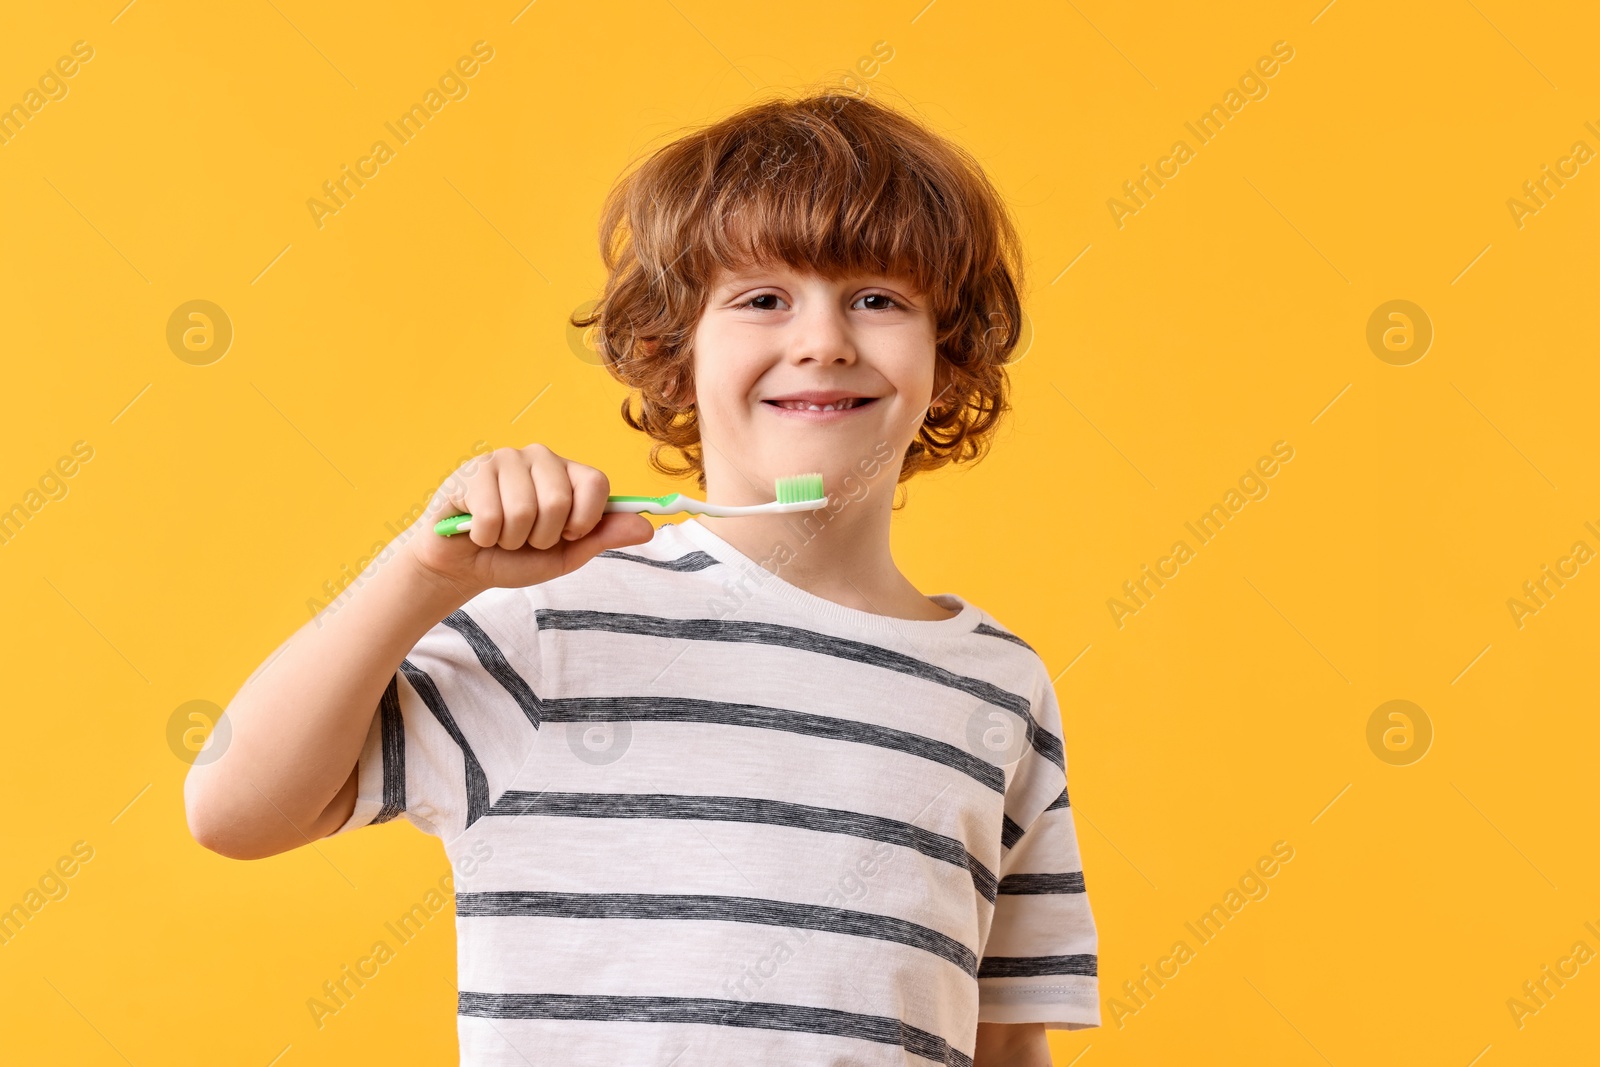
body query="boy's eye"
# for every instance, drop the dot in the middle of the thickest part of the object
(891, 301)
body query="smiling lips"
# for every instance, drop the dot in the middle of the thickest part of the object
(815, 404)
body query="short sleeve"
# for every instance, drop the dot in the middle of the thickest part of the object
(1040, 962)
(455, 722)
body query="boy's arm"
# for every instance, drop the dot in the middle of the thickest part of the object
(1011, 1045)
(339, 809)
(298, 724)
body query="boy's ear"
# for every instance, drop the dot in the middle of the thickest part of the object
(680, 394)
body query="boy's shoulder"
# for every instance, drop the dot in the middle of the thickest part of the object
(1023, 660)
(991, 628)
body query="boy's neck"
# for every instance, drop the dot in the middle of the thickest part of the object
(843, 557)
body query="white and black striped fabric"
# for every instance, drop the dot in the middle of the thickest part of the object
(700, 816)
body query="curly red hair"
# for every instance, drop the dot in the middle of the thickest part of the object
(829, 184)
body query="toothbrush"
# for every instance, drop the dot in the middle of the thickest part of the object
(800, 492)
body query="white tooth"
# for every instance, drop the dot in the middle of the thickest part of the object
(838, 405)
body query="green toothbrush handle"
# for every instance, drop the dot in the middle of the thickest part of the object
(451, 526)
(658, 505)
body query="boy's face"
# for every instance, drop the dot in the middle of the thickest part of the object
(767, 337)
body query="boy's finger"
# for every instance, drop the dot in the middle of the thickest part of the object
(519, 506)
(590, 488)
(614, 530)
(483, 503)
(555, 497)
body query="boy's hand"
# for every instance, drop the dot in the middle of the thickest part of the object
(535, 516)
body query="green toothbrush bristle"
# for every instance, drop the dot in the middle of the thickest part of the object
(800, 487)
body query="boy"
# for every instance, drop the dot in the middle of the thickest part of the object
(736, 792)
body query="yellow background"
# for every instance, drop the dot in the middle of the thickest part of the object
(1229, 313)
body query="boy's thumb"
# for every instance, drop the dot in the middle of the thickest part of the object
(614, 530)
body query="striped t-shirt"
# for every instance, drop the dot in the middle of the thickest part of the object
(715, 819)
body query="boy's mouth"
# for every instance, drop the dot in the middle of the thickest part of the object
(845, 404)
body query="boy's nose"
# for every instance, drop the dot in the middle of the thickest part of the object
(821, 336)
